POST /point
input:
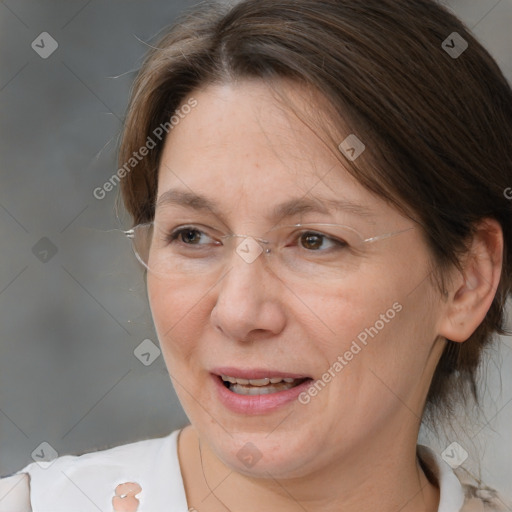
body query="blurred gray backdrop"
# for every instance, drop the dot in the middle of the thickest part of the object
(79, 363)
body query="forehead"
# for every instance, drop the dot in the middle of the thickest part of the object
(245, 149)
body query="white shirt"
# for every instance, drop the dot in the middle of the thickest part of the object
(87, 483)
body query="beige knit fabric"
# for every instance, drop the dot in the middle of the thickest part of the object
(479, 497)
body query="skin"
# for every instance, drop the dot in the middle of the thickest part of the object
(353, 447)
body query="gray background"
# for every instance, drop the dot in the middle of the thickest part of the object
(70, 321)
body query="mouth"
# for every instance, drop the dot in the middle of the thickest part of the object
(262, 386)
(257, 391)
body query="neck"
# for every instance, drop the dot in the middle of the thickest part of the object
(377, 476)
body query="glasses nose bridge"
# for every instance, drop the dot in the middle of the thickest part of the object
(262, 241)
(265, 243)
(252, 249)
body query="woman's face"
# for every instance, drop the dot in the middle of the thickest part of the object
(364, 335)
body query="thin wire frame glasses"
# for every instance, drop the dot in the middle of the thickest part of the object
(319, 251)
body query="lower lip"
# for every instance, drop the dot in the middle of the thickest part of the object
(257, 404)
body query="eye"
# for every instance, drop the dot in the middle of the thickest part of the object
(189, 235)
(314, 241)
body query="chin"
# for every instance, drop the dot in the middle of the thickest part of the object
(263, 455)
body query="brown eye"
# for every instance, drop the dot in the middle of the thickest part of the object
(189, 236)
(311, 241)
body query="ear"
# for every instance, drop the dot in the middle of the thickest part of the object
(471, 293)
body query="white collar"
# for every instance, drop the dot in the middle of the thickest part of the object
(145, 461)
(451, 497)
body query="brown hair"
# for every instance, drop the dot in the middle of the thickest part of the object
(437, 129)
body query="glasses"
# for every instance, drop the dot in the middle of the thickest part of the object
(293, 252)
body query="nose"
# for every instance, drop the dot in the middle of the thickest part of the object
(250, 299)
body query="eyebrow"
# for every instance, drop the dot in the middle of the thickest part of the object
(290, 208)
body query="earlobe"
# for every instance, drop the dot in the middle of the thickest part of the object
(473, 291)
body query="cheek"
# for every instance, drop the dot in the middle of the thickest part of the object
(343, 311)
(179, 316)
(384, 330)
(370, 322)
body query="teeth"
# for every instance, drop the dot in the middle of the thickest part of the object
(257, 382)
(260, 386)
(260, 390)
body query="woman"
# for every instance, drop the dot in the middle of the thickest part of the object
(327, 245)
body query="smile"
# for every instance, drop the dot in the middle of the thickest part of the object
(254, 391)
(264, 386)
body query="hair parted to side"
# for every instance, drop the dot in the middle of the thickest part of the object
(437, 130)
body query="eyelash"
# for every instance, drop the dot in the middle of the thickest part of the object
(173, 236)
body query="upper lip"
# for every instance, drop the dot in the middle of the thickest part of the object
(255, 373)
